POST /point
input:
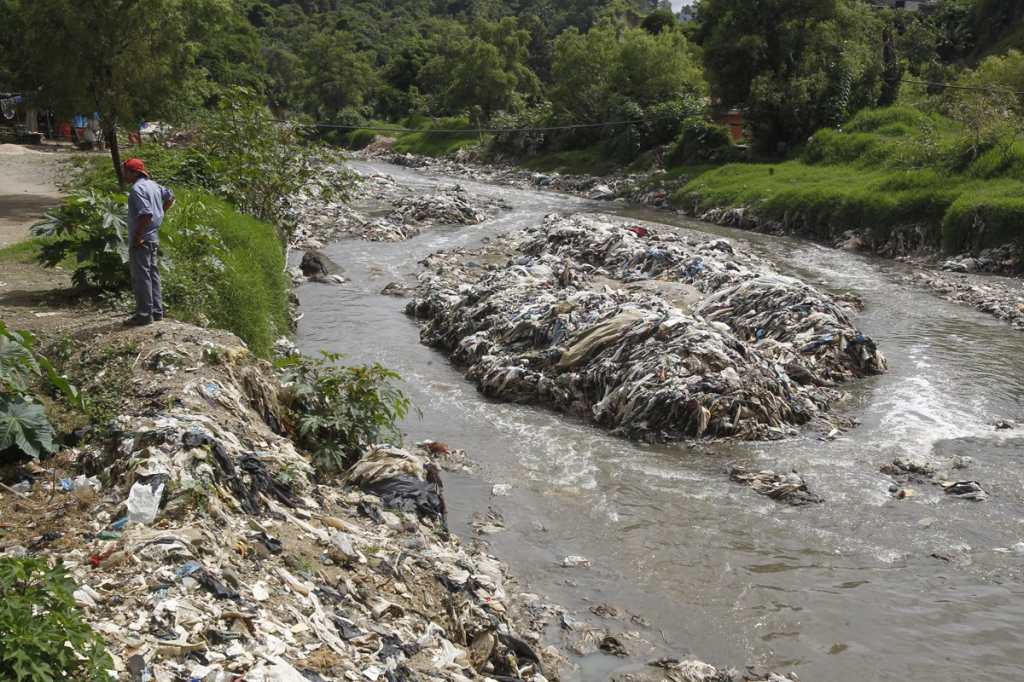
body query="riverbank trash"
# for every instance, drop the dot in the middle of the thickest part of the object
(212, 552)
(661, 337)
(381, 209)
(144, 502)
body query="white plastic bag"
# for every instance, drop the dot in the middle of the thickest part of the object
(144, 503)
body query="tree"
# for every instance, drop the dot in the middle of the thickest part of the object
(594, 71)
(485, 69)
(125, 59)
(659, 20)
(795, 65)
(343, 78)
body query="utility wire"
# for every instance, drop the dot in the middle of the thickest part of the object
(466, 131)
(577, 126)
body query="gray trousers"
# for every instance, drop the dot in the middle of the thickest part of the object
(146, 280)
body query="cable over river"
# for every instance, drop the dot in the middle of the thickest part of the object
(862, 587)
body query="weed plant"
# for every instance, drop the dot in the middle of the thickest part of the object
(43, 637)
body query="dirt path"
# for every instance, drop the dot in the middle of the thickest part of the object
(28, 187)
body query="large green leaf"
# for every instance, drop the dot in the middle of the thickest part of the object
(24, 426)
(17, 363)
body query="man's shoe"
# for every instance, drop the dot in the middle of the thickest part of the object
(157, 318)
(137, 321)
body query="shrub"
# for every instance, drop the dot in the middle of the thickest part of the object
(91, 227)
(433, 140)
(337, 411)
(42, 634)
(874, 120)
(701, 141)
(359, 139)
(259, 162)
(25, 429)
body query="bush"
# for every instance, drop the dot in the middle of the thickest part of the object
(338, 411)
(43, 637)
(701, 141)
(257, 161)
(432, 140)
(359, 139)
(874, 120)
(25, 430)
(91, 226)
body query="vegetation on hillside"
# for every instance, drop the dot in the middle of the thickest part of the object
(888, 169)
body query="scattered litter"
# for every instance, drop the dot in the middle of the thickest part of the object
(789, 488)
(214, 554)
(965, 490)
(574, 561)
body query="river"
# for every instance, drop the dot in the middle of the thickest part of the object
(843, 591)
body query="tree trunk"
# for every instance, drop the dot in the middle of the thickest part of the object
(110, 132)
(892, 72)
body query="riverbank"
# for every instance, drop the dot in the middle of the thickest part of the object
(965, 279)
(250, 564)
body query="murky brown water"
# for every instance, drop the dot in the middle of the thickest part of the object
(846, 591)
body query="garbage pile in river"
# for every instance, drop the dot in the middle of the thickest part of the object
(789, 488)
(378, 208)
(208, 552)
(654, 334)
(600, 188)
(999, 297)
(449, 206)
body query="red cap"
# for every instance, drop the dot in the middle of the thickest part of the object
(135, 165)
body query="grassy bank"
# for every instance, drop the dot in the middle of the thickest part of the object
(432, 137)
(220, 267)
(249, 294)
(888, 169)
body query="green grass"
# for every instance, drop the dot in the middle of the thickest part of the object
(21, 252)
(587, 161)
(252, 290)
(890, 168)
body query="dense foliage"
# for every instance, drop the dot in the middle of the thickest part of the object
(337, 411)
(793, 66)
(43, 637)
(796, 65)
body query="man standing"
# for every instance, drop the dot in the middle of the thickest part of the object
(147, 203)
